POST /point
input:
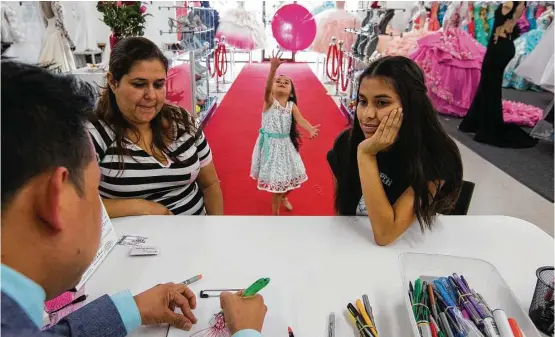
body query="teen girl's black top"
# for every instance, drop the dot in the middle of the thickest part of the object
(392, 173)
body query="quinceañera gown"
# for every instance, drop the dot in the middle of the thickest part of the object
(276, 164)
(524, 45)
(57, 44)
(538, 66)
(451, 61)
(332, 23)
(241, 29)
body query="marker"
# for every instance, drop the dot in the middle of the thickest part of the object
(192, 280)
(515, 328)
(290, 331)
(254, 288)
(359, 322)
(502, 323)
(368, 308)
(331, 325)
(366, 318)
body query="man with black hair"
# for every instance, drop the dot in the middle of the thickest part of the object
(51, 219)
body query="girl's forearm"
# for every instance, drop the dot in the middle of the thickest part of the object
(213, 199)
(380, 211)
(270, 82)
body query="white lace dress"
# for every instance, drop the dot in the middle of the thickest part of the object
(57, 44)
(276, 164)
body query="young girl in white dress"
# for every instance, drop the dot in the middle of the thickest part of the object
(276, 162)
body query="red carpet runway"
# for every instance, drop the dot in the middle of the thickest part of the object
(233, 130)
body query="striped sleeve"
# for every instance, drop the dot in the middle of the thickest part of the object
(203, 150)
(101, 137)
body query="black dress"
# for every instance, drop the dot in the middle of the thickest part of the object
(485, 117)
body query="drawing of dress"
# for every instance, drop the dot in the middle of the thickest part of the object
(57, 44)
(524, 45)
(242, 29)
(451, 60)
(333, 22)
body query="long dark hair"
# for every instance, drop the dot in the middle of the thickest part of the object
(425, 151)
(294, 133)
(169, 124)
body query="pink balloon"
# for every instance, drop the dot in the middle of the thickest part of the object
(294, 27)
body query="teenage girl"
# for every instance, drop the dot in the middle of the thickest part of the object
(276, 162)
(396, 163)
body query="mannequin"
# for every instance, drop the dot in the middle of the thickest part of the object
(485, 117)
(57, 45)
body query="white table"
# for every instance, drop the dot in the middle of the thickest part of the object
(319, 263)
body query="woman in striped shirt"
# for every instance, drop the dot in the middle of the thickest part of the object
(153, 159)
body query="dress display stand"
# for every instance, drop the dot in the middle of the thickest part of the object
(192, 60)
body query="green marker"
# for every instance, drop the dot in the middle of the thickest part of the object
(254, 288)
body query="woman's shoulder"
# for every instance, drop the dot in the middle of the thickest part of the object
(342, 140)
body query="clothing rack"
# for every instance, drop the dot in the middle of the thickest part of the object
(382, 9)
(170, 7)
(191, 31)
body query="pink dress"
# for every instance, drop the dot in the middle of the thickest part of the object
(332, 23)
(451, 61)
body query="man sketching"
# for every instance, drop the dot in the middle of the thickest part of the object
(51, 219)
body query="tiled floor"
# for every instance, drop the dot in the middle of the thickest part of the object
(496, 192)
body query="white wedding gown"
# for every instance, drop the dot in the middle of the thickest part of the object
(56, 46)
(25, 32)
(538, 66)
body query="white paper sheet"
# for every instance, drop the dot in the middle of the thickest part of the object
(107, 242)
(278, 318)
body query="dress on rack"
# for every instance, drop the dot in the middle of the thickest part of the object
(451, 61)
(485, 116)
(242, 29)
(524, 45)
(491, 18)
(530, 11)
(434, 25)
(11, 30)
(538, 66)
(523, 23)
(403, 45)
(276, 164)
(57, 45)
(332, 23)
(480, 23)
(28, 30)
(84, 32)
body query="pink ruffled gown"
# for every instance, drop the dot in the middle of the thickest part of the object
(451, 61)
(332, 23)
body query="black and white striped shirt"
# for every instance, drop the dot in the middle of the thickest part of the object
(144, 177)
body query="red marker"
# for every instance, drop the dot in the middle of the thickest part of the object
(515, 328)
(290, 331)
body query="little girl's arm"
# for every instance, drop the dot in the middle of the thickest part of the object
(268, 97)
(313, 130)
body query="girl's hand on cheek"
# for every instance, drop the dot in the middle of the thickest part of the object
(386, 134)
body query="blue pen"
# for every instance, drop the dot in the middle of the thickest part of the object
(449, 288)
(444, 294)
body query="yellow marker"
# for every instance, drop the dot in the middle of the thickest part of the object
(367, 319)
